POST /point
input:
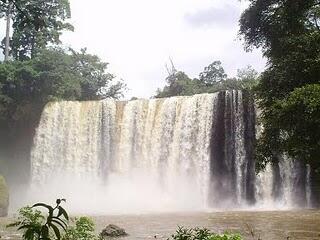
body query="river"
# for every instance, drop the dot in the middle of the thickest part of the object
(266, 225)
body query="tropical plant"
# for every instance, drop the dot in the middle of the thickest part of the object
(35, 23)
(36, 226)
(202, 234)
(53, 226)
(83, 230)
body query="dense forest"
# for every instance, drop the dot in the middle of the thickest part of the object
(37, 69)
(288, 32)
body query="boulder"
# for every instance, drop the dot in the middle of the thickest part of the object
(112, 231)
(4, 197)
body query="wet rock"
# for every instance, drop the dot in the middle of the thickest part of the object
(4, 197)
(112, 231)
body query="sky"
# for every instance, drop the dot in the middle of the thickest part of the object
(137, 38)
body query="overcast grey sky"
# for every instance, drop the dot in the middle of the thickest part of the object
(137, 37)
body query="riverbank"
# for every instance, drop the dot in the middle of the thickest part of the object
(271, 225)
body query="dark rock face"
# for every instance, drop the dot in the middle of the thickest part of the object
(4, 198)
(112, 231)
(233, 122)
(233, 182)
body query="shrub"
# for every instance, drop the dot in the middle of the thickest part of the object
(202, 234)
(36, 226)
(83, 230)
(54, 225)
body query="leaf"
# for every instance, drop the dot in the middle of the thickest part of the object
(63, 212)
(63, 226)
(43, 205)
(29, 234)
(56, 231)
(25, 226)
(44, 232)
(60, 221)
(15, 224)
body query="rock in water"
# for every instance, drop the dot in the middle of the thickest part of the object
(4, 197)
(112, 231)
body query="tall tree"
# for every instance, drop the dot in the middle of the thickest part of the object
(248, 78)
(6, 11)
(288, 33)
(36, 23)
(214, 73)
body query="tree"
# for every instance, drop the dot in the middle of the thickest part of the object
(96, 83)
(248, 78)
(302, 133)
(36, 24)
(288, 33)
(5, 10)
(54, 74)
(179, 84)
(214, 73)
(212, 80)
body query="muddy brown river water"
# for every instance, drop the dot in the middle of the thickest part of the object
(270, 225)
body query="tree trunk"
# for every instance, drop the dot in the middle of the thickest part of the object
(6, 52)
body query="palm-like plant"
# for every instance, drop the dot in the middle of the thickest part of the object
(38, 227)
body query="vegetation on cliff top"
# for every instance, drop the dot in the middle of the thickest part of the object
(212, 79)
(35, 73)
(288, 32)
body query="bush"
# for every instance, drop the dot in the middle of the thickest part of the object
(83, 230)
(37, 226)
(202, 234)
(55, 225)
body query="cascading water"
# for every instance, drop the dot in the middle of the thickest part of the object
(178, 153)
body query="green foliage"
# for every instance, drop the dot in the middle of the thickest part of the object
(179, 84)
(212, 79)
(288, 33)
(95, 82)
(29, 216)
(36, 23)
(299, 137)
(248, 78)
(214, 73)
(83, 230)
(55, 225)
(202, 234)
(54, 74)
(35, 226)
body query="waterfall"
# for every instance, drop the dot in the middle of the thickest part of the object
(191, 152)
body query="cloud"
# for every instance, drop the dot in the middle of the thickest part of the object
(138, 37)
(224, 16)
